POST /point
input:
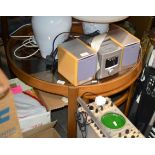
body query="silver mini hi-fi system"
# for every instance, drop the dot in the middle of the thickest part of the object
(118, 50)
(97, 121)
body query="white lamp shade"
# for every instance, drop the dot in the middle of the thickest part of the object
(100, 23)
(46, 28)
(101, 19)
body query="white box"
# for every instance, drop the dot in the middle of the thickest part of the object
(34, 121)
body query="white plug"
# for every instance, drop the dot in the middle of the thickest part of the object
(100, 100)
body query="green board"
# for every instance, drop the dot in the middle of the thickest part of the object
(113, 120)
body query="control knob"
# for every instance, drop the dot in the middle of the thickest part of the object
(110, 71)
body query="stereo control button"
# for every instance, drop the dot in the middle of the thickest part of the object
(110, 71)
(91, 107)
(127, 131)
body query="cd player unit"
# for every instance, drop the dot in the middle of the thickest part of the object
(109, 57)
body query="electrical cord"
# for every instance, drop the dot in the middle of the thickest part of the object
(54, 52)
(29, 43)
(77, 36)
(52, 56)
(15, 36)
(51, 59)
(82, 123)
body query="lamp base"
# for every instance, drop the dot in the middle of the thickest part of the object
(92, 27)
(46, 28)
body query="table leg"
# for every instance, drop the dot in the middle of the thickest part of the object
(72, 108)
(131, 92)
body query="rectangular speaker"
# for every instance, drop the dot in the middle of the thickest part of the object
(77, 62)
(129, 43)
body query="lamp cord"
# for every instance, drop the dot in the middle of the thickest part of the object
(54, 51)
(15, 36)
(29, 43)
(52, 56)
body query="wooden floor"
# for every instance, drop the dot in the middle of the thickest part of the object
(61, 116)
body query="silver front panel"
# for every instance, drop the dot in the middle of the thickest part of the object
(108, 54)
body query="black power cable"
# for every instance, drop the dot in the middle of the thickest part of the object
(51, 60)
(82, 123)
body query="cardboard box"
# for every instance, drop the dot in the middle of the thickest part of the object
(4, 85)
(77, 62)
(52, 101)
(9, 125)
(45, 131)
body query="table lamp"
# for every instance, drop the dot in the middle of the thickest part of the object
(46, 28)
